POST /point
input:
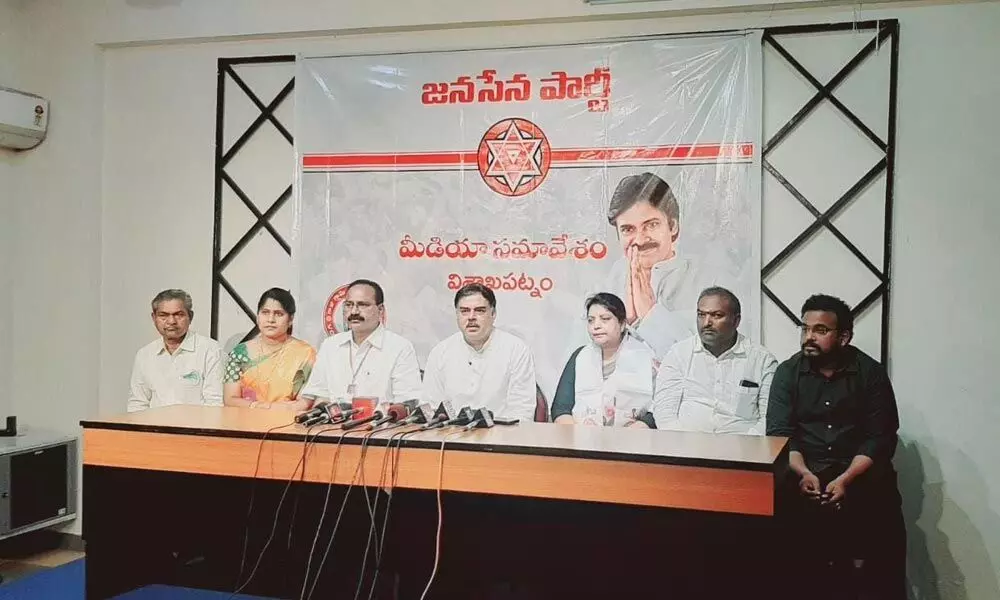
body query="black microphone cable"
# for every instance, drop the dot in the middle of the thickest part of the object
(253, 490)
(437, 551)
(336, 525)
(393, 478)
(277, 512)
(372, 509)
(373, 532)
(322, 517)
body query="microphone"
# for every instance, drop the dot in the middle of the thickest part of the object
(445, 411)
(464, 417)
(421, 414)
(398, 412)
(359, 422)
(366, 405)
(312, 412)
(482, 419)
(331, 413)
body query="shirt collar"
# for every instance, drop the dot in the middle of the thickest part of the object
(187, 345)
(671, 264)
(739, 348)
(374, 339)
(486, 345)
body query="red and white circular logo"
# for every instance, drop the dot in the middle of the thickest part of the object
(333, 316)
(514, 157)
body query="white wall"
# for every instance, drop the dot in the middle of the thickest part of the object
(121, 204)
(54, 342)
(8, 195)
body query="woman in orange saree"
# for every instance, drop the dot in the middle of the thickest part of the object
(269, 370)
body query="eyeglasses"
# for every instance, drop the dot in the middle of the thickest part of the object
(817, 329)
(350, 305)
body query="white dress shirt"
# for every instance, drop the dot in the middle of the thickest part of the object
(383, 366)
(695, 391)
(500, 376)
(191, 375)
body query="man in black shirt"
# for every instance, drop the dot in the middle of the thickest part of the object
(836, 405)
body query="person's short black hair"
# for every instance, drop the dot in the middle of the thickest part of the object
(826, 303)
(609, 301)
(734, 302)
(647, 187)
(379, 295)
(282, 297)
(471, 289)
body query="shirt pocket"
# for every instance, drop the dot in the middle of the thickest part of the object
(191, 379)
(744, 401)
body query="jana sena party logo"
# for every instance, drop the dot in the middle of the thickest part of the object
(514, 157)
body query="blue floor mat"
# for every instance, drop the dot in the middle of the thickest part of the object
(60, 583)
(165, 592)
(67, 583)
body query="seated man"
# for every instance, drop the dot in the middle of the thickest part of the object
(180, 366)
(836, 405)
(717, 381)
(368, 360)
(481, 366)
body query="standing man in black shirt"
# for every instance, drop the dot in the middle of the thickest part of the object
(836, 405)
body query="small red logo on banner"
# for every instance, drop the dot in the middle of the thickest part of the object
(514, 157)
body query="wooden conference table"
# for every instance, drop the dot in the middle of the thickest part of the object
(541, 509)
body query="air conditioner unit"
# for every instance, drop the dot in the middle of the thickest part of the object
(24, 119)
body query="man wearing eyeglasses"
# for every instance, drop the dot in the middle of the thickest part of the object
(836, 405)
(368, 360)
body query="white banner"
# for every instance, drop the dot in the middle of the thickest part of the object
(427, 171)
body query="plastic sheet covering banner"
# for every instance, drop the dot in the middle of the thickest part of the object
(545, 173)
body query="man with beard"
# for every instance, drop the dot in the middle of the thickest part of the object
(658, 286)
(717, 381)
(481, 366)
(180, 366)
(842, 507)
(368, 360)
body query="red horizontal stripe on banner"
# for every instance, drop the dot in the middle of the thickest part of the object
(689, 151)
(560, 156)
(388, 160)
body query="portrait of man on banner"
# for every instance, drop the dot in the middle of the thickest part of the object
(659, 286)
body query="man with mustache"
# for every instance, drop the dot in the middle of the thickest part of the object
(836, 405)
(717, 381)
(180, 366)
(481, 366)
(659, 287)
(368, 360)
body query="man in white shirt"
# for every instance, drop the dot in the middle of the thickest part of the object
(179, 367)
(368, 360)
(717, 381)
(658, 286)
(481, 366)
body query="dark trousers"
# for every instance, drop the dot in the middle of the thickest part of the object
(822, 543)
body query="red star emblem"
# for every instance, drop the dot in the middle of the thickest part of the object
(514, 157)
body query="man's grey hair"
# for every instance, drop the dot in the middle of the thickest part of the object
(168, 295)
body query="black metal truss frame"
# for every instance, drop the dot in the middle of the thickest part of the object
(887, 31)
(223, 157)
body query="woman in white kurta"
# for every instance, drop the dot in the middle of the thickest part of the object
(608, 382)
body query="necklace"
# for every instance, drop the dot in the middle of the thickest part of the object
(275, 361)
